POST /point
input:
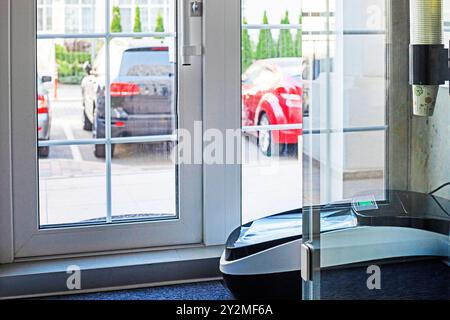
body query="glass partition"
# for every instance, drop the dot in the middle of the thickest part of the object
(374, 225)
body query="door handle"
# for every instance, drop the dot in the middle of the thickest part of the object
(306, 250)
(191, 15)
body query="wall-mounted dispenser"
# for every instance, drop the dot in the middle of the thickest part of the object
(429, 60)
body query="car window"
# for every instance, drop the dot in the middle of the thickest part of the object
(264, 77)
(145, 63)
(294, 72)
(251, 74)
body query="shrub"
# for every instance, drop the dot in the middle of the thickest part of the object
(116, 25)
(70, 65)
(265, 48)
(299, 38)
(285, 41)
(247, 49)
(137, 21)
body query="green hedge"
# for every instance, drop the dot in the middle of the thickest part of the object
(70, 65)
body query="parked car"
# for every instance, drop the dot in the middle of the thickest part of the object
(272, 95)
(142, 82)
(43, 114)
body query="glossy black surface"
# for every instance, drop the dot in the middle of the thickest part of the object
(400, 209)
(410, 210)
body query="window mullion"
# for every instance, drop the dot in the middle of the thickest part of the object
(108, 155)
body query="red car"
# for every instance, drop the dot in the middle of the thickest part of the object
(272, 95)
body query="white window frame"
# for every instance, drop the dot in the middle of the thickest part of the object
(220, 208)
(221, 184)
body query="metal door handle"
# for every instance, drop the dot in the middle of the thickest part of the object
(191, 12)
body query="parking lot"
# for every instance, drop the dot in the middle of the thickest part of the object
(73, 180)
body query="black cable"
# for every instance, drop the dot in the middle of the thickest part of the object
(440, 205)
(440, 188)
(436, 200)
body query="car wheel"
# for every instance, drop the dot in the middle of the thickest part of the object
(265, 137)
(44, 152)
(87, 125)
(292, 149)
(100, 151)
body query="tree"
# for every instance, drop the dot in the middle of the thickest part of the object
(299, 38)
(247, 48)
(159, 24)
(285, 41)
(137, 21)
(115, 23)
(265, 48)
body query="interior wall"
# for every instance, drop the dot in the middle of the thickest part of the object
(398, 94)
(437, 166)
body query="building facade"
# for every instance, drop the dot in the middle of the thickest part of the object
(81, 16)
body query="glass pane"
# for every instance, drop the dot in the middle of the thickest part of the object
(142, 16)
(264, 177)
(272, 93)
(377, 229)
(366, 156)
(72, 109)
(71, 16)
(68, 91)
(143, 104)
(72, 186)
(143, 182)
(143, 88)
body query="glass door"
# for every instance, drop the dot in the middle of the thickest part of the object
(112, 104)
(375, 220)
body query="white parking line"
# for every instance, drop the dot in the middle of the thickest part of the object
(76, 154)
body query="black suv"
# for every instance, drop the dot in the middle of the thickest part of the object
(142, 100)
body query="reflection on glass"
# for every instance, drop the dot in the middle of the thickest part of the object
(272, 95)
(143, 182)
(71, 187)
(346, 91)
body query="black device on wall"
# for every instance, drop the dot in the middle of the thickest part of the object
(428, 64)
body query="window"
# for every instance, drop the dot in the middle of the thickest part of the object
(140, 103)
(271, 107)
(286, 55)
(105, 111)
(44, 15)
(79, 16)
(149, 12)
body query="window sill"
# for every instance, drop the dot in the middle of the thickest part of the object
(112, 272)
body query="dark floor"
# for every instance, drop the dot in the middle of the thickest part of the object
(424, 280)
(407, 280)
(214, 290)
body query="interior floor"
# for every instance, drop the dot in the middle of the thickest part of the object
(411, 280)
(427, 279)
(214, 290)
